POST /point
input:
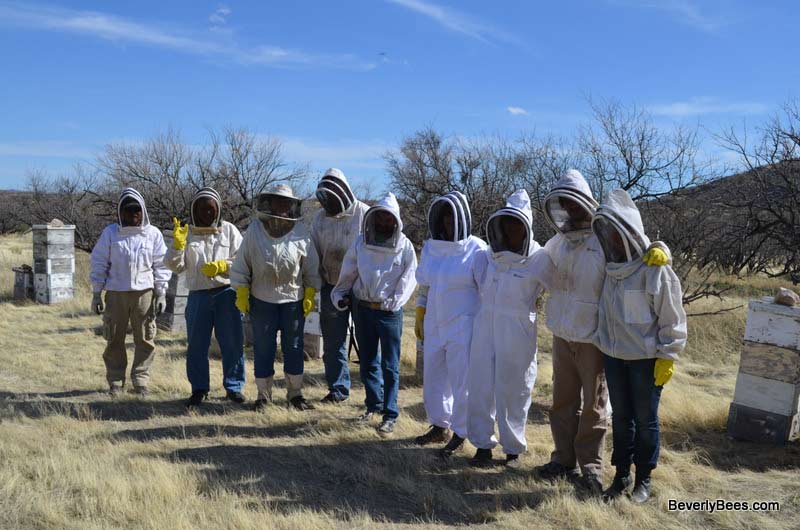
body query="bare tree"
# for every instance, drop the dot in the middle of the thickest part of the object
(768, 198)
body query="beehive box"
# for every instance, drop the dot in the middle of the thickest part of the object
(23, 283)
(53, 263)
(766, 401)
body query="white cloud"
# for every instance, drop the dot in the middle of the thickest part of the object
(118, 29)
(517, 111)
(456, 21)
(706, 105)
(220, 16)
(687, 12)
(46, 149)
(326, 153)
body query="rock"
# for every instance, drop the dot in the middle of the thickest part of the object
(787, 297)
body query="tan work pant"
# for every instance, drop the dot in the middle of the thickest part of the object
(137, 308)
(578, 416)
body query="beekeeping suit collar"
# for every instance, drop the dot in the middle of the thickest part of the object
(618, 213)
(334, 193)
(517, 206)
(387, 203)
(456, 203)
(207, 193)
(130, 193)
(573, 187)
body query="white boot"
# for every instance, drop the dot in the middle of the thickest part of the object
(294, 392)
(264, 386)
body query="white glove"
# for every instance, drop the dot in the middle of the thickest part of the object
(97, 303)
(160, 303)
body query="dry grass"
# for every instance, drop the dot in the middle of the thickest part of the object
(73, 458)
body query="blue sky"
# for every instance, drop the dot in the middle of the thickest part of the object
(342, 82)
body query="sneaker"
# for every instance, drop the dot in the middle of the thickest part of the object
(641, 491)
(366, 417)
(114, 389)
(591, 485)
(196, 399)
(553, 471)
(300, 403)
(482, 458)
(260, 404)
(622, 482)
(513, 462)
(141, 391)
(434, 435)
(455, 443)
(333, 399)
(235, 396)
(386, 427)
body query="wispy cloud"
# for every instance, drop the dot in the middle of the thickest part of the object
(517, 111)
(46, 149)
(457, 21)
(220, 16)
(361, 154)
(688, 12)
(707, 105)
(117, 29)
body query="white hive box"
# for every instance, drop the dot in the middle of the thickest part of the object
(53, 263)
(766, 402)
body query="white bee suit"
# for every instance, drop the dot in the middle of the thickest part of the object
(503, 352)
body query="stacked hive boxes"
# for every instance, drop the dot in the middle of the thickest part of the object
(767, 396)
(53, 263)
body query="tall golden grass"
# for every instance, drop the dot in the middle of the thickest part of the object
(71, 457)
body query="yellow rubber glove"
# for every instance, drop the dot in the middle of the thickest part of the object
(243, 299)
(655, 257)
(663, 371)
(179, 234)
(214, 268)
(308, 300)
(419, 323)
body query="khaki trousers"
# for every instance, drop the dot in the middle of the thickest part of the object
(578, 418)
(137, 308)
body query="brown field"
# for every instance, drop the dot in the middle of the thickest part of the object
(71, 457)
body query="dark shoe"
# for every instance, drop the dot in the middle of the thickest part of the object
(300, 403)
(482, 458)
(235, 396)
(141, 391)
(622, 482)
(435, 435)
(553, 471)
(591, 485)
(641, 491)
(366, 417)
(333, 399)
(260, 404)
(452, 446)
(386, 427)
(197, 398)
(513, 462)
(114, 389)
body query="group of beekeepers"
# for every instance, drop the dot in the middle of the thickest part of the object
(614, 308)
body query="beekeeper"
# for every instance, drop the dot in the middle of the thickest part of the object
(379, 270)
(333, 231)
(203, 250)
(504, 343)
(127, 263)
(276, 277)
(450, 269)
(641, 330)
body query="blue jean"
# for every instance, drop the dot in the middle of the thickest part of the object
(380, 370)
(268, 319)
(334, 324)
(207, 310)
(634, 400)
